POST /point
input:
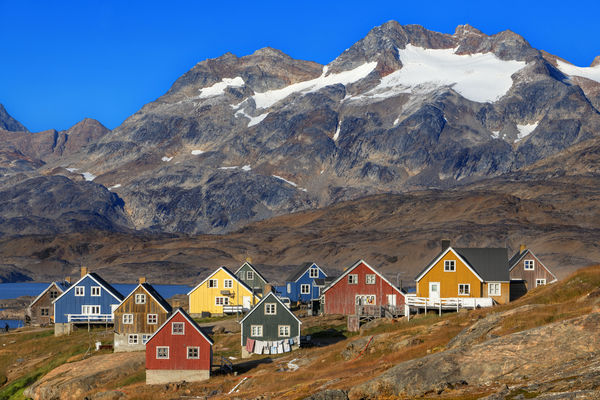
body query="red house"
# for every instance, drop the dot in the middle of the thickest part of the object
(361, 284)
(178, 351)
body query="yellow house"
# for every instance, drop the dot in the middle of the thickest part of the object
(221, 293)
(466, 272)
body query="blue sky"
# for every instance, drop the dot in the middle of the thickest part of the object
(63, 61)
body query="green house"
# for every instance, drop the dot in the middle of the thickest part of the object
(269, 328)
(251, 277)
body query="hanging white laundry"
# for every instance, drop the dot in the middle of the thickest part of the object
(286, 347)
(280, 348)
(258, 347)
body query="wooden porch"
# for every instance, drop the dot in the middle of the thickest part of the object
(414, 303)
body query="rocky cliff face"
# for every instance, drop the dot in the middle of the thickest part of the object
(241, 139)
(8, 123)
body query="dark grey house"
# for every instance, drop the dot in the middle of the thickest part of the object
(248, 274)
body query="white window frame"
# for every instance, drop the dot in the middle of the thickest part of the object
(286, 329)
(133, 338)
(127, 319)
(90, 309)
(369, 299)
(242, 275)
(213, 283)
(182, 324)
(467, 286)
(95, 291)
(353, 279)
(79, 291)
(256, 330)
(493, 292)
(370, 277)
(449, 265)
(305, 288)
(152, 319)
(228, 283)
(313, 272)
(145, 337)
(197, 350)
(140, 298)
(270, 308)
(289, 288)
(249, 275)
(529, 265)
(538, 282)
(221, 301)
(158, 349)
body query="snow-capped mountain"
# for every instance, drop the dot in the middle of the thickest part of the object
(239, 139)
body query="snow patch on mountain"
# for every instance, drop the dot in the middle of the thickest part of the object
(246, 168)
(592, 73)
(268, 98)
(118, 185)
(337, 132)
(219, 88)
(88, 176)
(72, 169)
(253, 120)
(197, 152)
(525, 130)
(166, 159)
(480, 77)
(496, 134)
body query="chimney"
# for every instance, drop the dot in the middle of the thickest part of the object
(445, 244)
(68, 279)
(142, 279)
(84, 271)
(522, 248)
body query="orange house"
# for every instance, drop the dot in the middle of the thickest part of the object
(466, 272)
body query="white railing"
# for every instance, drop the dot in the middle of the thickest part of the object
(449, 302)
(92, 318)
(232, 309)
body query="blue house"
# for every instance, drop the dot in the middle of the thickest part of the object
(301, 286)
(91, 300)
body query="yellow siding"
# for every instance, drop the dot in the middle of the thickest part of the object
(449, 281)
(202, 299)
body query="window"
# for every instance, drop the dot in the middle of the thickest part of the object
(284, 331)
(228, 284)
(304, 289)
(353, 279)
(370, 280)
(127, 319)
(140, 298)
(193, 353)
(177, 328)
(529, 265)
(152, 319)
(90, 310)
(540, 282)
(270, 308)
(44, 311)
(314, 272)
(53, 294)
(464, 289)
(132, 339)
(289, 288)
(162, 352)
(221, 301)
(242, 275)
(95, 291)
(365, 299)
(79, 290)
(250, 275)
(256, 330)
(213, 283)
(449, 265)
(145, 338)
(494, 289)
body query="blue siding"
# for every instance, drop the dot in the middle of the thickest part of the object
(68, 303)
(294, 294)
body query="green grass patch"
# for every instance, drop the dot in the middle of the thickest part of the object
(138, 377)
(215, 319)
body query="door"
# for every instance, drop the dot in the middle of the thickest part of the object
(247, 302)
(434, 290)
(391, 300)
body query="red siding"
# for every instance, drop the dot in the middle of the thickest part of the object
(178, 348)
(340, 298)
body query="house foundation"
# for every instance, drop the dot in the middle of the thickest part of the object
(162, 376)
(61, 329)
(121, 344)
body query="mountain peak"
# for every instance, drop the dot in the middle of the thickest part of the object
(8, 123)
(596, 62)
(462, 30)
(269, 52)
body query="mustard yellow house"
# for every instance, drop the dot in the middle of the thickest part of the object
(466, 272)
(221, 293)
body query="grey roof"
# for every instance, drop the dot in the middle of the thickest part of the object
(107, 286)
(254, 269)
(490, 263)
(299, 271)
(515, 259)
(325, 281)
(159, 299)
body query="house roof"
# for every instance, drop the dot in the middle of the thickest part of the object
(270, 294)
(231, 274)
(295, 275)
(325, 281)
(488, 264)
(152, 293)
(356, 264)
(512, 263)
(253, 269)
(95, 277)
(62, 286)
(189, 319)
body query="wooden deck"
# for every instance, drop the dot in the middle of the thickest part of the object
(444, 304)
